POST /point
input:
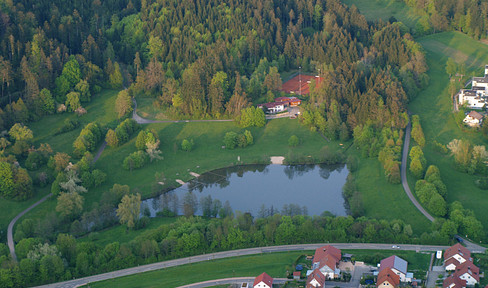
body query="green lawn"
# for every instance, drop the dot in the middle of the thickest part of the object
(100, 109)
(207, 155)
(383, 200)
(146, 109)
(274, 264)
(384, 9)
(435, 109)
(10, 209)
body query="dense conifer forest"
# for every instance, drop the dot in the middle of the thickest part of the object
(198, 59)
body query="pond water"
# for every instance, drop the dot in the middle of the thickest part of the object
(262, 190)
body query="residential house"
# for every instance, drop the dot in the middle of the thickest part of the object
(316, 279)
(263, 281)
(397, 265)
(296, 275)
(455, 255)
(473, 119)
(453, 282)
(387, 278)
(326, 259)
(469, 272)
(289, 101)
(273, 107)
(476, 97)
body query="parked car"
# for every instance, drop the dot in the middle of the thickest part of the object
(395, 247)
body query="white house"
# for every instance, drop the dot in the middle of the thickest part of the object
(263, 281)
(273, 107)
(326, 259)
(468, 272)
(316, 279)
(397, 265)
(456, 255)
(476, 97)
(473, 119)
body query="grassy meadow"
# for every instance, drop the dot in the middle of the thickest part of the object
(275, 264)
(434, 106)
(384, 9)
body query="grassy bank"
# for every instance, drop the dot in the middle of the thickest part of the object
(434, 106)
(275, 264)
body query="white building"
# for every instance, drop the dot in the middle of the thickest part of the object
(473, 119)
(476, 97)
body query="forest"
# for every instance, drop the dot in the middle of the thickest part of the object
(198, 59)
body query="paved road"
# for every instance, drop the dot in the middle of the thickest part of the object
(406, 144)
(228, 281)
(10, 238)
(234, 253)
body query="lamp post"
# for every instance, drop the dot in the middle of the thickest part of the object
(300, 80)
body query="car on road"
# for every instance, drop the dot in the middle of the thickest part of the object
(395, 247)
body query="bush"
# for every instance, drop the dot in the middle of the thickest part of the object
(186, 145)
(135, 160)
(35, 160)
(293, 141)
(230, 140)
(69, 125)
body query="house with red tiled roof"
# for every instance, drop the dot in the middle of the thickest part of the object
(263, 281)
(455, 255)
(473, 119)
(397, 265)
(316, 279)
(453, 282)
(469, 272)
(326, 259)
(387, 278)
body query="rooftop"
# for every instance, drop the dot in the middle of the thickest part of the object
(394, 262)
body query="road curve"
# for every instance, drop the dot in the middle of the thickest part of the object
(10, 238)
(406, 144)
(234, 253)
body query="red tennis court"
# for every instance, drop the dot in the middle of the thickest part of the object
(293, 86)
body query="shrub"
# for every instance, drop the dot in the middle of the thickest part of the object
(230, 140)
(135, 160)
(69, 125)
(186, 145)
(293, 141)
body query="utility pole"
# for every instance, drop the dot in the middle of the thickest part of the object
(300, 79)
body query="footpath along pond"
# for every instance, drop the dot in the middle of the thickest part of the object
(261, 190)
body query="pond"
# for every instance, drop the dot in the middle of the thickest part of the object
(261, 190)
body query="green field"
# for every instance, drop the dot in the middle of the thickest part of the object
(434, 106)
(146, 109)
(274, 264)
(383, 200)
(384, 9)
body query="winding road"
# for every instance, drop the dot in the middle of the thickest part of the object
(406, 144)
(235, 253)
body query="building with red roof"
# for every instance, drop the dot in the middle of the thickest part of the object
(387, 278)
(455, 255)
(273, 107)
(326, 259)
(453, 282)
(316, 279)
(263, 281)
(469, 272)
(397, 265)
